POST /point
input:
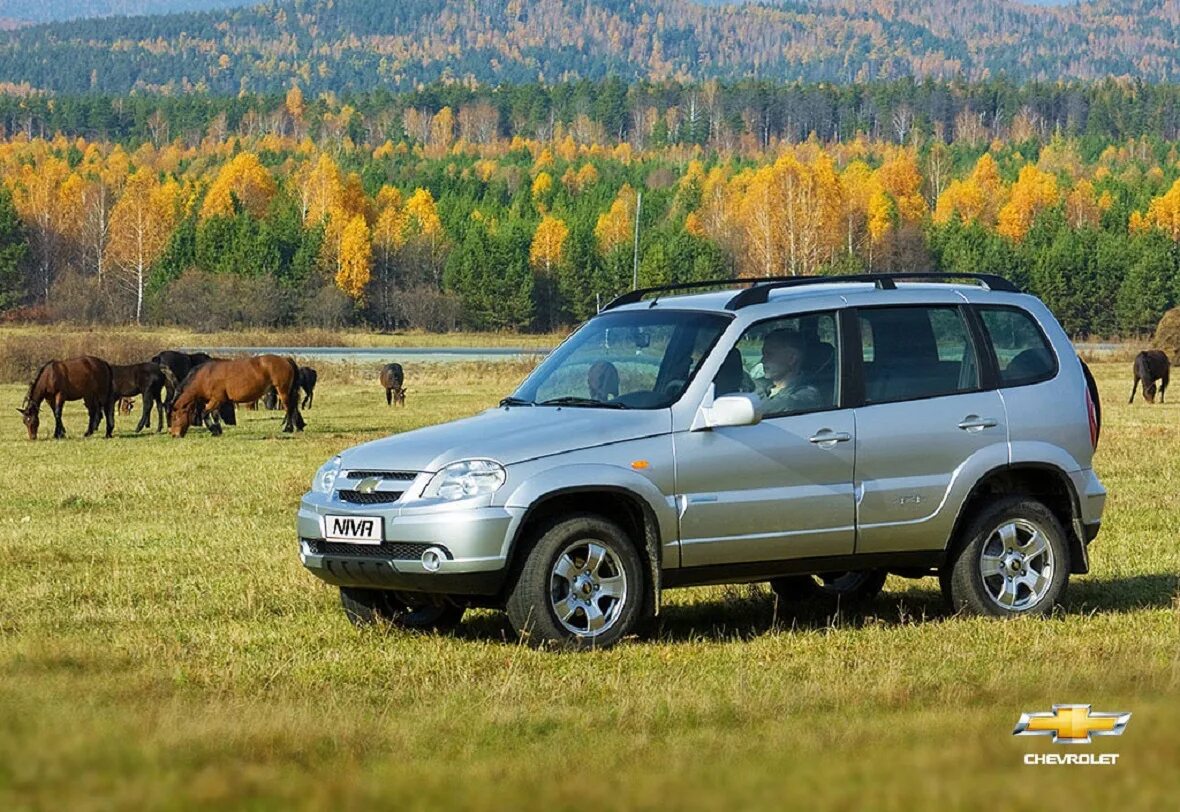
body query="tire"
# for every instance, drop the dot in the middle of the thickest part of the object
(562, 597)
(1027, 576)
(416, 613)
(839, 590)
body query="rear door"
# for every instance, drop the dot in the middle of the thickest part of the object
(928, 423)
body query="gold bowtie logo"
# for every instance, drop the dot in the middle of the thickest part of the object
(1071, 724)
(368, 485)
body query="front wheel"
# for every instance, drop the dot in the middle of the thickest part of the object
(581, 585)
(1013, 560)
(409, 611)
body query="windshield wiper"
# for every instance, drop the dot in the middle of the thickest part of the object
(513, 401)
(587, 402)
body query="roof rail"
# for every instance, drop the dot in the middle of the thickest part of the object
(760, 287)
(633, 296)
(760, 292)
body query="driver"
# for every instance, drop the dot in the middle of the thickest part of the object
(782, 389)
(603, 381)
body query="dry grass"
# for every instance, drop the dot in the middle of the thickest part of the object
(161, 647)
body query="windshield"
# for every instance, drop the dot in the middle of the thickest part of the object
(631, 359)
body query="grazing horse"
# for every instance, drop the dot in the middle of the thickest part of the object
(1151, 366)
(603, 381)
(125, 406)
(393, 379)
(149, 380)
(181, 364)
(87, 379)
(307, 379)
(239, 381)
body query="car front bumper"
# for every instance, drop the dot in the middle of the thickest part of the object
(475, 540)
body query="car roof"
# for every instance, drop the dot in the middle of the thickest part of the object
(717, 300)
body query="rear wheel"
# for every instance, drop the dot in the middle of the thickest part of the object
(839, 589)
(1014, 560)
(405, 610)
(581, 585)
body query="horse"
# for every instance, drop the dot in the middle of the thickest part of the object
(183, 363)
(239, 381)
(1151, 366)
(393, 378)
(125, 406)
(86, 378)
(307, 380)
(147, 379)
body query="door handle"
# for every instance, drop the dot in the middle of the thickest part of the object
(827, 437)
(974, 422)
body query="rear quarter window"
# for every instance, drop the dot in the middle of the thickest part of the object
(1023, 353)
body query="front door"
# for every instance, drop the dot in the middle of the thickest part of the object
(782, 488)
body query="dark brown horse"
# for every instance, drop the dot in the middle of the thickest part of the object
(307, 381)
(239, 381)
(393, 379)
(1151, 366)
(183, 363)
(87, 379)
(149, 380)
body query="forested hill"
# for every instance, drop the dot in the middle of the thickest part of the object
(361, 44)
(40, 11)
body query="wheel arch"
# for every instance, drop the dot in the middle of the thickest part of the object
(1044, 481)
(619, 504)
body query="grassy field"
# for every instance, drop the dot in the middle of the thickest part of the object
(161, 647)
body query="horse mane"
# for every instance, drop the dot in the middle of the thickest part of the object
(33, 384)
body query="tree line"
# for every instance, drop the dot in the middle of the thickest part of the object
(446, 232)
(738, 116)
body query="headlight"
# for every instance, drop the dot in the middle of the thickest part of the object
(461, 480)
(325, 478)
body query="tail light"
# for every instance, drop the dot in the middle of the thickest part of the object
(1092, 414)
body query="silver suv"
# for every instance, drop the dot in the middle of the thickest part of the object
(816, 433)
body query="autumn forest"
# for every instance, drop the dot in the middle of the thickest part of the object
(525, 207)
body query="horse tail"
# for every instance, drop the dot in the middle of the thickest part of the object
(295, 420)
(293, 390)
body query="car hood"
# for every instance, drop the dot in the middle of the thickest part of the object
(506, 435)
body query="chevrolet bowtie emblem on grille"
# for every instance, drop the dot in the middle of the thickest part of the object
(1071, 724)
(368, 485)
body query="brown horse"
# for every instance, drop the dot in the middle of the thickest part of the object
(87, 379)
(239, 381)
(393, 379)
(148, 380)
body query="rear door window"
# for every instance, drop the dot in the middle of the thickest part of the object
(910, 353)
(1023, 353)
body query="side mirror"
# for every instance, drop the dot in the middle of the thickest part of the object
(741, 409)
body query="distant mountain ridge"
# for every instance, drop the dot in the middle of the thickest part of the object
(363, 44)
(43, 11)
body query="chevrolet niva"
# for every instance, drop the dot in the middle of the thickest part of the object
(816, 433)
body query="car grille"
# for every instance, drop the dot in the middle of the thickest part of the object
(399, 550)
(397, 476)
(374, 498)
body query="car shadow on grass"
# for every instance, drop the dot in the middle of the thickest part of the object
(750, 611)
